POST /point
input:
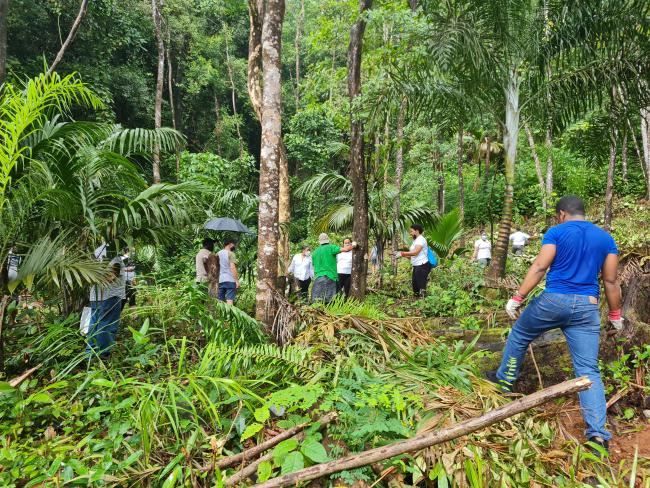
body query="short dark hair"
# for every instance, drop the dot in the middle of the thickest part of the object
(418, 227)
(228, 240)
(208, 244)
(570, 204)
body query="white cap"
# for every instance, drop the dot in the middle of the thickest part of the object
(323, 239)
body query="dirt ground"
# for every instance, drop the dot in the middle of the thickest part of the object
(627, 436)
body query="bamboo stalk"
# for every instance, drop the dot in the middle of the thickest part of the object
(427, 440)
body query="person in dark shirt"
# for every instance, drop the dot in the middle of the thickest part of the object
(574, 253)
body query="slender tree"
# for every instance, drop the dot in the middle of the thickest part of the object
(358, 174)
(156, 10)
(4, 9)
(71, 35)
(270, 161)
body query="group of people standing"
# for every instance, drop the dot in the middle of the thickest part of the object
(483, 247)
(218, 270)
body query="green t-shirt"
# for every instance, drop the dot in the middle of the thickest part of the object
(324, 261)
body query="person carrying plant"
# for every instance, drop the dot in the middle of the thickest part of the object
(325, 271)
(574, 253)
(419, 260)
(228, 276)
(302, 270)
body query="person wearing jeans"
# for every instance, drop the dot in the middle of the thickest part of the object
(228, 276)
(574, 252)
(419, 260)
(344, 269)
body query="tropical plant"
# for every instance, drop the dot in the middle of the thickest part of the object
(444, 232)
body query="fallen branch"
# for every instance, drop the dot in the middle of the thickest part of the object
(19, 379)
(248, 471)
(427, 440)
(266, 445)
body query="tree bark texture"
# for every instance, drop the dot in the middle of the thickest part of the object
(255, 14)
(429, 439)
(510, 137)
(156, 8)
(270, 161)
(548, 142)
(624, 157)
(68, 40)
(645, 143)
(297, 46)
(358, 174)
(4, 10)
(609, 191)
(538, 166)
(399, 171)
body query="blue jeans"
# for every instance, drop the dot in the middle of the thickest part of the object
(579, 320)
(227, 291)
(104, 322)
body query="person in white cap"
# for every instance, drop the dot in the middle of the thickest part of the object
(325, 272)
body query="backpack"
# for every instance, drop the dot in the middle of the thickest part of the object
(433, 259)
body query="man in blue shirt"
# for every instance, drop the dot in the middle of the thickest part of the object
(574, 252)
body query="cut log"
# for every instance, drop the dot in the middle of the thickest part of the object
(253, 452)
(430, 439)
(19, 379)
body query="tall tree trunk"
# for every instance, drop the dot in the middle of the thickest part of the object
(637, 150)
(4, 10)
(156, 7)
(256, 14)
(71, 35)
(297, 47)
(624, 156)
(548, 142)
(270, 161)
(461, 179)
(172, 106)
(284, 216)
(645, 143)
(488, 154)
(510, 137)
(358, 174)
(399, 171)
(609, 192)
(538, 167)
(439, 170)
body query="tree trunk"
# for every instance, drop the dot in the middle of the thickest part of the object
(609, 192)
(399, 171)
(156, 7)
(488, 154)
(438, 168)
(358, 174)
(461, 179)
(624, 156)
(270, 161)
(71, 35)
(549, 172)
(172, 107)
(297, 46)
(637, 149)
(284, 217)
(538, 167)
(645, 142)
(256, 14)
(510, 137)
(4, 10)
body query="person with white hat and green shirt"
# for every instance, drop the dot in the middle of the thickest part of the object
(325, 272)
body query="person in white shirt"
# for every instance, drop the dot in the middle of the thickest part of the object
(519, 240)
(344, 269)
(419, 260)
(482, 250)
(302, 270)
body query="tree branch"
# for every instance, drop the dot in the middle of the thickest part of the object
(71, 35)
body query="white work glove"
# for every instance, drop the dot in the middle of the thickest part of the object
(512, 307)
(616, 319)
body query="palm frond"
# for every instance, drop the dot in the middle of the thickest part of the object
(444, 232)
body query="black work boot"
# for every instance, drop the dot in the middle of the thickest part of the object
(598, 441)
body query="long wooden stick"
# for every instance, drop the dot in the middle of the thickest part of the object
(19, 379)
(264, 446)
(426, 440)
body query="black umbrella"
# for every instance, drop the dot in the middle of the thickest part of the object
(227, 224)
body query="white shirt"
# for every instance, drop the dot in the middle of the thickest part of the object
(115, 288)
(301, 267)
(484, 249)
(519, 238)
(420, 258)
(344, 263)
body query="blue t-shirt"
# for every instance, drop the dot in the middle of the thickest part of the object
(580, 251)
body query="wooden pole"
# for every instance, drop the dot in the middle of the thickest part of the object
(430, 439)
(253, 452)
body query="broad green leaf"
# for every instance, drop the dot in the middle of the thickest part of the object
(314, 450)
(103, 382)
(5, 387)
(282, 449)
(251, 430)
(264, 471)
(42, 397)
(262, 414)
(293, 462)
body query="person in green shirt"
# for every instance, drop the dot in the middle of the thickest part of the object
(325, 273)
